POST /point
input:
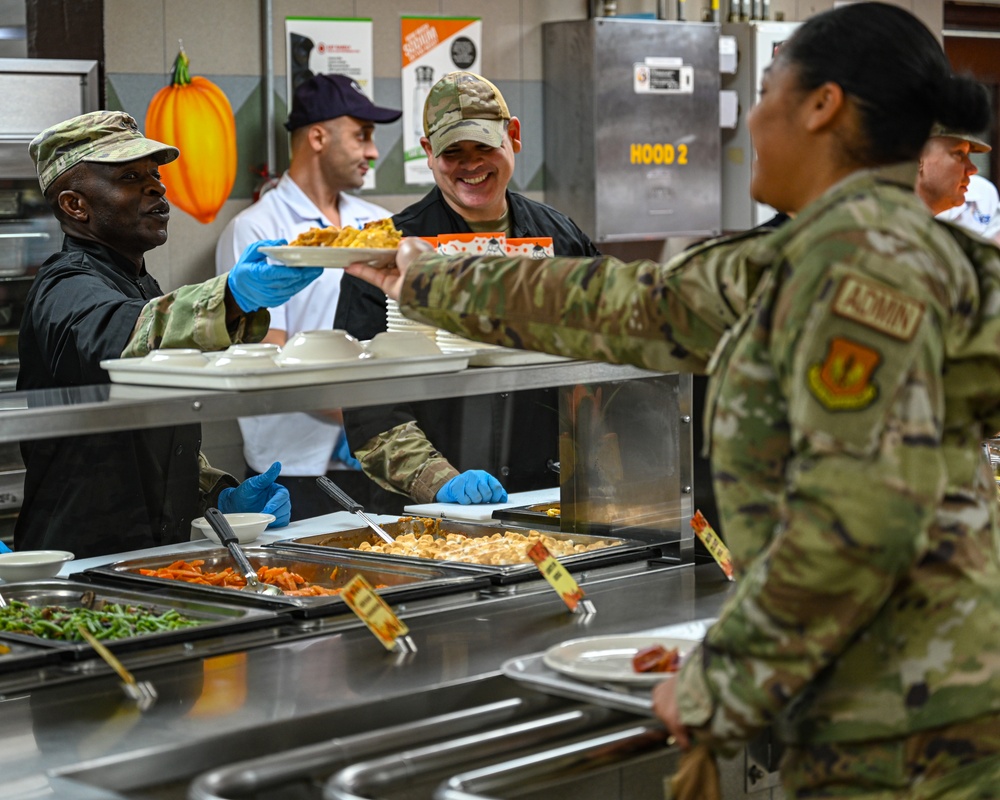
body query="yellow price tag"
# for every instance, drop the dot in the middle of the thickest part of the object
(557, 575)
(712, 543)
(373, 611)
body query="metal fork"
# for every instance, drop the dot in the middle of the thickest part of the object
(142, 692)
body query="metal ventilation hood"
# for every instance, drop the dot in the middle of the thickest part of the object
(34, 94)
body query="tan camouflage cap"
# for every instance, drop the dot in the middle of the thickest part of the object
(104, 137)
(977, 145)
(463, 106)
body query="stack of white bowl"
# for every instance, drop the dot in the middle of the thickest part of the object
(395, 321)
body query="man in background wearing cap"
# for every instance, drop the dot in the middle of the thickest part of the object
(332, 122)
(93, 300)
(471, 140)
(951, 189)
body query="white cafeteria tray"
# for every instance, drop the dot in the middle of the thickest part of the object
(134, 371)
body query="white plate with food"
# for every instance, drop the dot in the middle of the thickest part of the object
(330, 256)
(608, 659)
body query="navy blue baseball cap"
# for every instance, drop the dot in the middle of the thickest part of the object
(324, 97)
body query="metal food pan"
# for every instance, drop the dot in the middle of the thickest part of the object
(398, 582)
(624, 550)
(533, 515)
(16, 655)
(217, 618)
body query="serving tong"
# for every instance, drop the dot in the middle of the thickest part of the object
(345, 500)
(228, 537)
(142, 692)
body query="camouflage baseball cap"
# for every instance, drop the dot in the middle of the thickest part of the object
(104, 137)
(463, 106)
(976, 145)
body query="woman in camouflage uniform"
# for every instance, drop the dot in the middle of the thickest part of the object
(855, 363)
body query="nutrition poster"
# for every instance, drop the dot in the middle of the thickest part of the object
(321, 46)
(432, 47)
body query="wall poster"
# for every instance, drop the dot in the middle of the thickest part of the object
(321, 46)
(432, 47)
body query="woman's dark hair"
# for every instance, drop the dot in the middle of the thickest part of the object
(894, 68)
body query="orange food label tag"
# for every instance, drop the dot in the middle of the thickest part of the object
(557, 575)
(373, 611)
(712, 543)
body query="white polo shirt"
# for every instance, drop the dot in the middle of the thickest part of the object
(981, 211)
(301, 442)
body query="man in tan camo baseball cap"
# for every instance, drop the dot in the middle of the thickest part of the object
(103, 137)
(463, 106)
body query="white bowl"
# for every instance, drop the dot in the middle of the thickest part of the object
(238, 360)
(30, 565)
(314, 347)
(253, 348)
(247, 527)
(399, 344)
(176, 357)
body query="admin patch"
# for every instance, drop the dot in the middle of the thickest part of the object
(879, 307)
(843, 380)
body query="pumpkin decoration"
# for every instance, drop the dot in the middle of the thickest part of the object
(193, 115)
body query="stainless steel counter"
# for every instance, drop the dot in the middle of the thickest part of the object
(115, 407)
(82, 739)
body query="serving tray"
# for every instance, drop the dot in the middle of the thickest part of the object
(624, 550)
(134, 371)
(18, 655)
(398, 582)
(217, 618)
(532, 670)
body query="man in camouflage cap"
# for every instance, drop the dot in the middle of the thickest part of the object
(94, 300)
(100, 137)
(455, 450)
(946, 167)
(463, 106)
(949, 183)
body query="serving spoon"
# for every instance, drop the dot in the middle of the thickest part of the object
(228, 537)
(355, 508)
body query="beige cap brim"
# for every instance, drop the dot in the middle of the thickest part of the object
(485, 131)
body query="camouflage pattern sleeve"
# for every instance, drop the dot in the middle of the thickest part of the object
(193, 316)
(211, 482)
(858, 340)
(658, 316)
(403, 460)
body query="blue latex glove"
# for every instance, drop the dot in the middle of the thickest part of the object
(342, 452)
(256, 284)
(4, 548)
(472, 486)
(259, 494)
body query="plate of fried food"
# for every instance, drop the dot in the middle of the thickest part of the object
(639, 660)
(374, 244)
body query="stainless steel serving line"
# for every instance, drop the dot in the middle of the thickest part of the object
(80, 739)
(115, 407)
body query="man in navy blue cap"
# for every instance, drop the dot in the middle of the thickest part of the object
(332, 124)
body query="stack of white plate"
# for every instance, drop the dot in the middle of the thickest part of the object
(395, 321)
(451, 341)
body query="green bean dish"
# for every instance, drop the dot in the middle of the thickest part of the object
(105, 621)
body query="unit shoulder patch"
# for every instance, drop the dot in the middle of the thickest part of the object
(878, 306)
(843, 381)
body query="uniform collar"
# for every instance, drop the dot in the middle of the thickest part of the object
(299, 202)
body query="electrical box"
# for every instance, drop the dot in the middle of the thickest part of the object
(756, 45)
(632, 142)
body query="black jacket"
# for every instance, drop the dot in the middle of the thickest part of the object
(108, 492)
(510, 436)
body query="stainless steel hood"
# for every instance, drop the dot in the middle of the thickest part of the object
(34, 94)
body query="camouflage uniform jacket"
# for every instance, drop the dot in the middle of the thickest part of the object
(855, 364)
(416, 448)
(110, 492)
